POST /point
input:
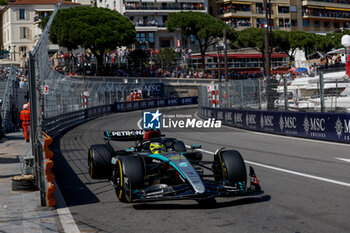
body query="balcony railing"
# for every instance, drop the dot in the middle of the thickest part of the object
(327, 14)
(165, 7)
(333, 1)
(149, 24)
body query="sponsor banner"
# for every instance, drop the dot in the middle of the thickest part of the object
(153, 89)
(314, 125)
(143, 104)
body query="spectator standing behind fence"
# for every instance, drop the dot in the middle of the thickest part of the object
(25, 118)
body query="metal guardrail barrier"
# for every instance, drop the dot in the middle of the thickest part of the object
(55, 125)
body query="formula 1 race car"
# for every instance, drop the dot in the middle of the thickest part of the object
(160, 168)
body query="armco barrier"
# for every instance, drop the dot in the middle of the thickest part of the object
(322, 126)
(55, 125)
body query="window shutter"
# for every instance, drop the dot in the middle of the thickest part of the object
(17, 14)
(21, 32)
(27, 14)
(29, 34)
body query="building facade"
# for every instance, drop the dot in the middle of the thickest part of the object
(20, 25)
(246, 14)
(321, 16)
(318, 16)
(150, 16)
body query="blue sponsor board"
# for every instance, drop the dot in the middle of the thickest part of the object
(154, 103)
(315, 125)
(153, 89)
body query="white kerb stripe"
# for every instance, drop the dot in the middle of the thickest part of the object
(66, 218)
(346, 160)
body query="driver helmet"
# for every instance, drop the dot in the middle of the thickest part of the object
(157, 148)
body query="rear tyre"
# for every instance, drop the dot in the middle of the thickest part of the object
(229, 165)
(99, 158)
(128, 175)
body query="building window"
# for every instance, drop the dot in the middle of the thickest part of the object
(23, 32)
(22, 14)
(305, 23)
(23, 50)
(317, 24)
(294, 22)
(336, 24)
(259, 23)
(326, 24)
(151, 39)
(293, 9)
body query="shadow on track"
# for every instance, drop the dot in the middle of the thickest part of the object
(209, 205)
(74, 191)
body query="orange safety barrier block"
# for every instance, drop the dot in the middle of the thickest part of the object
(50, 176)
(51, 200)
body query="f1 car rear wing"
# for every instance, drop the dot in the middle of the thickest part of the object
(131, 135)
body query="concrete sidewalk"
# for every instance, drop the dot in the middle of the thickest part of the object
(20, 211)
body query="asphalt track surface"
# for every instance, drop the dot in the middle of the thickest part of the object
(306, 189)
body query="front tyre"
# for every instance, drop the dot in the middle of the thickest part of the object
(128, 175)
(229, 165)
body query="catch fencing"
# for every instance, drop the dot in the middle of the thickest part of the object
(323, 93)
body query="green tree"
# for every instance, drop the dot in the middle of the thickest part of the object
(139, 58)
(206, 29)
(3, 2)
(167, 57)
(251, 38)
(280, 42)
(96, 29)
(336, 38)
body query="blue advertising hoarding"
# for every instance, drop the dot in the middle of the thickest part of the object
(154, 103)
(315, 125)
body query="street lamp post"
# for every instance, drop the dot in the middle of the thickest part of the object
(225, 54)
(267, 20)
(218, 60)
(14, 53)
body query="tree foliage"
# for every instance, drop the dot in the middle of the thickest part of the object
(138, 58)
(289, 41)
(3, 2)
(97, 29)
(206, 29)
(251, 38)
(167, 56)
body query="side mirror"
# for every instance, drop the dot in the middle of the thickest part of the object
(193, 147)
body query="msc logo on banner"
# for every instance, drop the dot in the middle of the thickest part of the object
(151, 120)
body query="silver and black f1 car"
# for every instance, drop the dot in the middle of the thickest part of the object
(175, 173)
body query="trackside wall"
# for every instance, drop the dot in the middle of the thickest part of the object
(314, 125)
